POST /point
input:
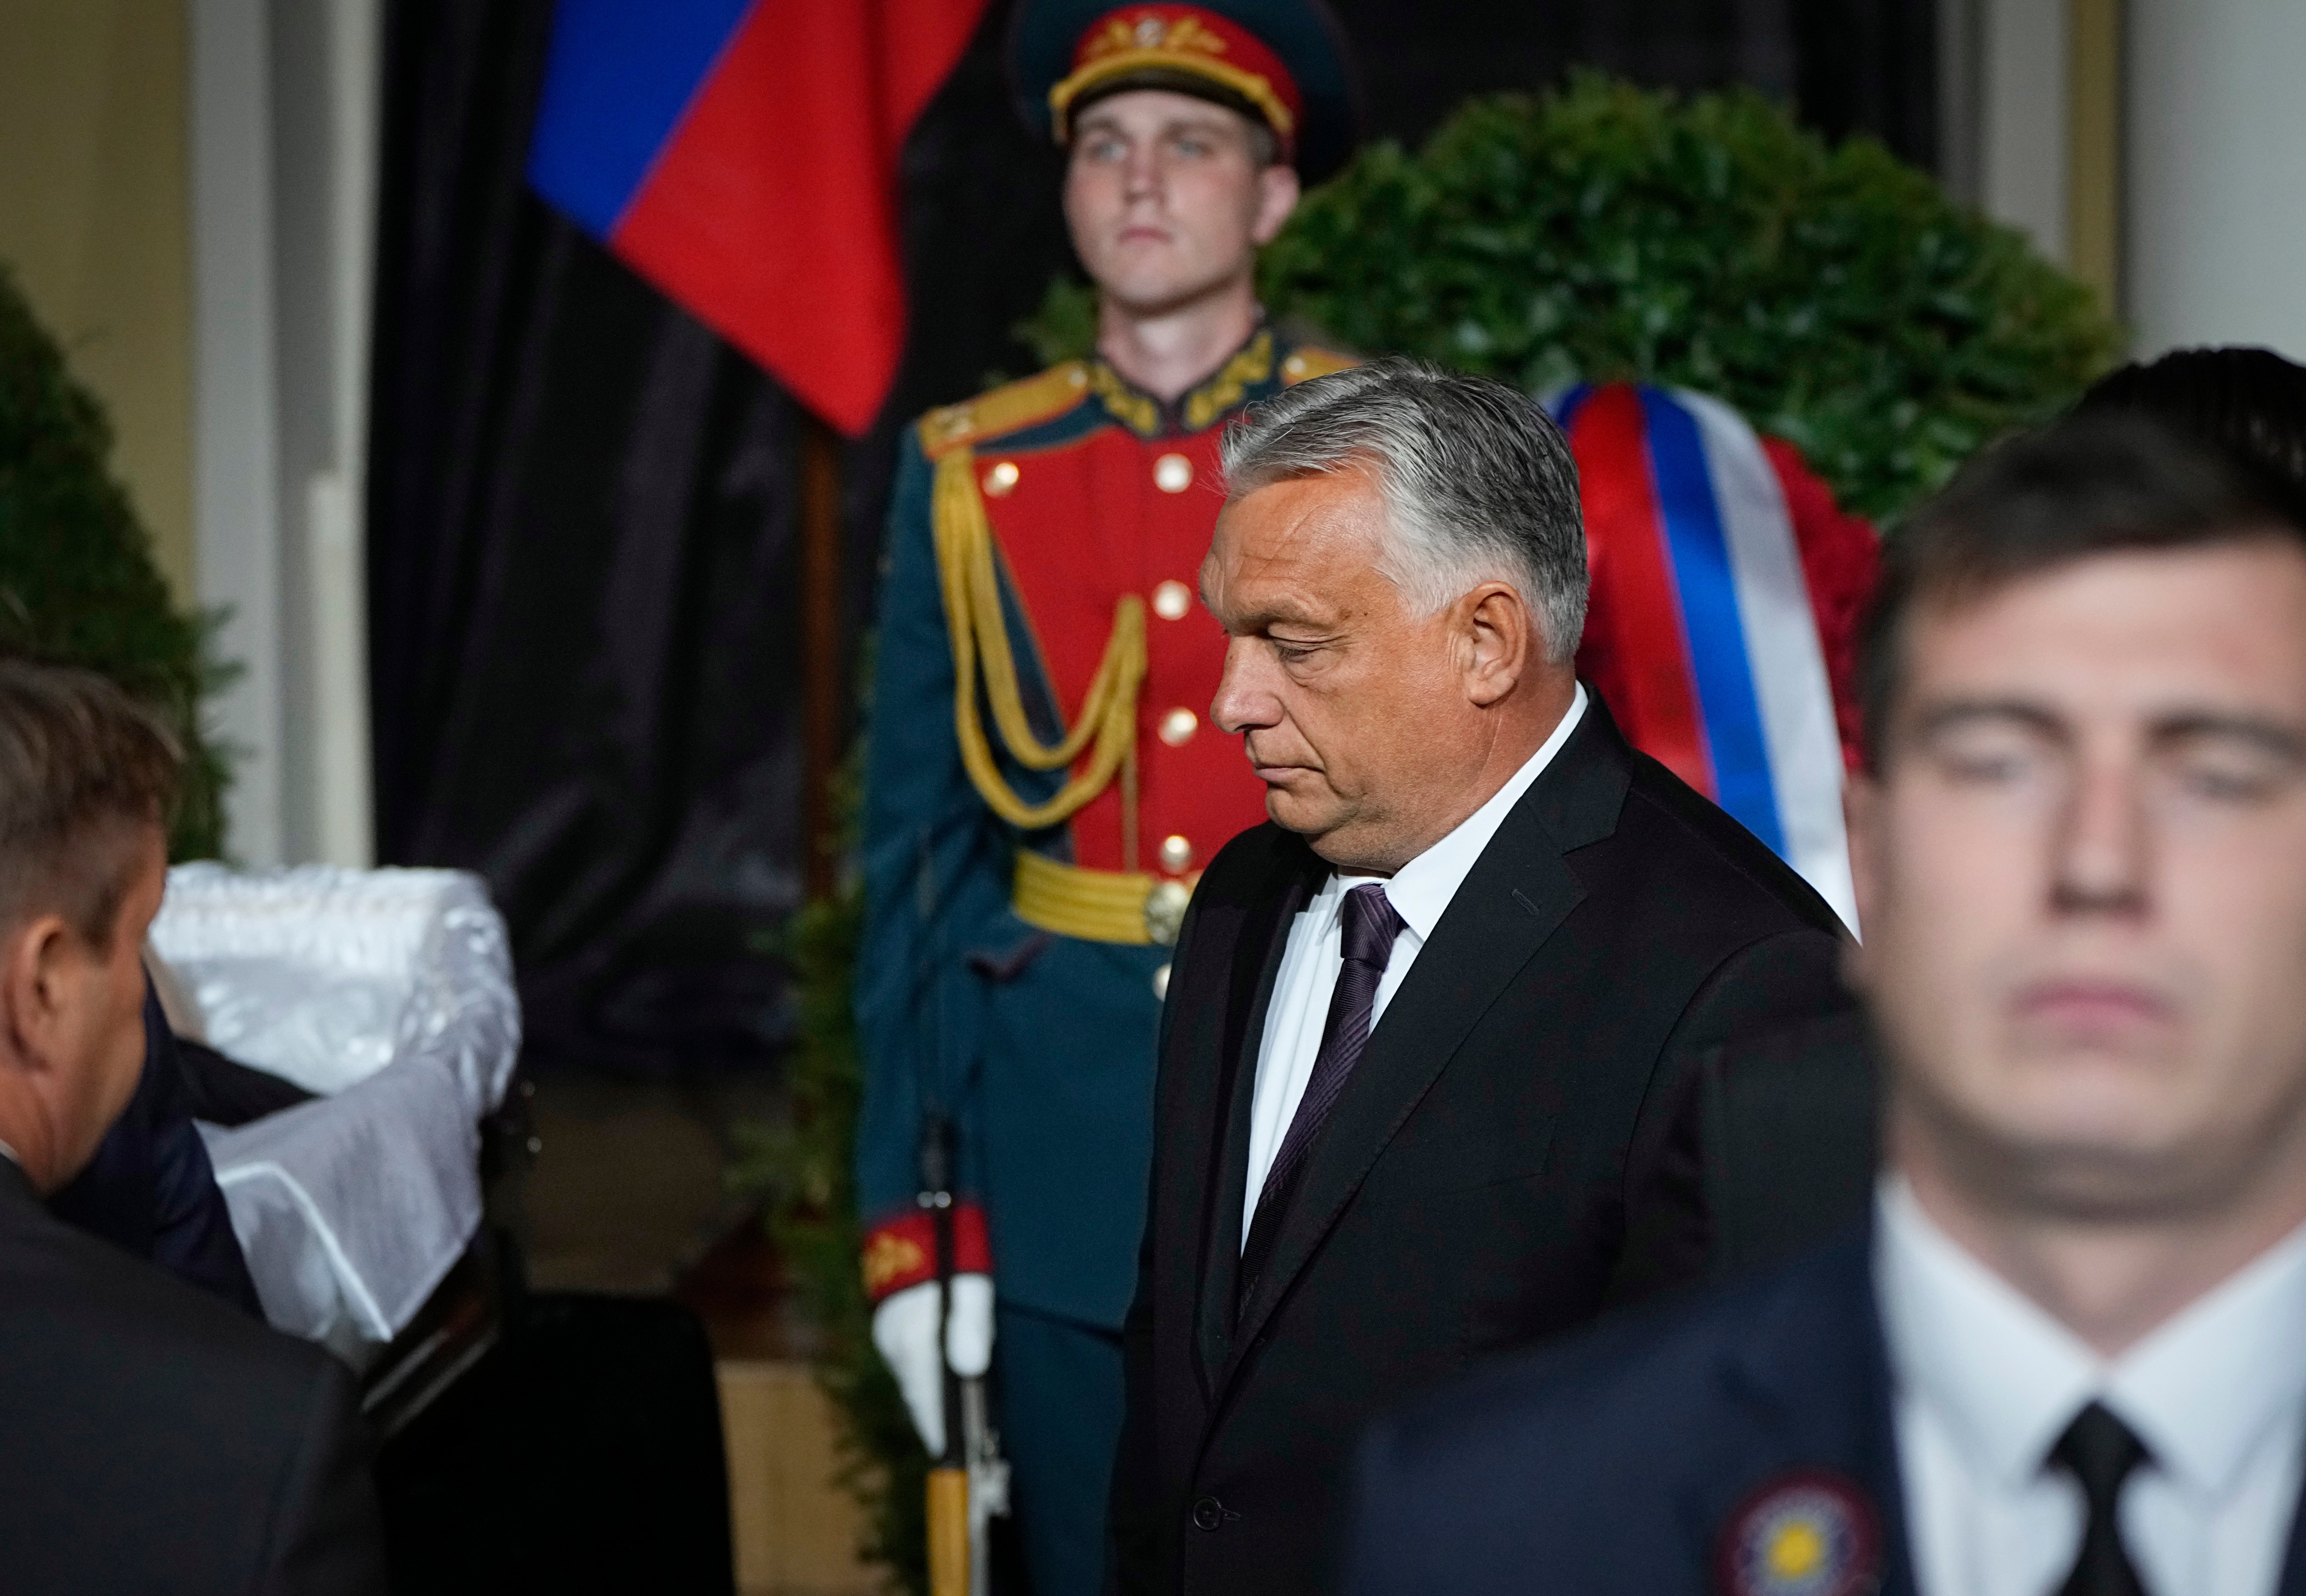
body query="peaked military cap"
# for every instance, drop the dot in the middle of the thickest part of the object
(1284, 63)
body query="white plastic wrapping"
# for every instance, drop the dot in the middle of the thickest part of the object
(323, 975)
(390, 993)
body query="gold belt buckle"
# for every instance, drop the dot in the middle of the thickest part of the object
(1164, 911)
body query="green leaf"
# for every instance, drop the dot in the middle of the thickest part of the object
(78, 583)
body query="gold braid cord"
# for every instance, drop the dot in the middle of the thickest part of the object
(1108, 726)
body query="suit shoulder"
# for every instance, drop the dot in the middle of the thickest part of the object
(1748, 866)
(1622, 1390)
(139, 1316)
(1010, 408)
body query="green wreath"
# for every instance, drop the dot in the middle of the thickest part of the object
(1838, 298)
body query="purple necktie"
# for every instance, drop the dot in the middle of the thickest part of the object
(1368, 929)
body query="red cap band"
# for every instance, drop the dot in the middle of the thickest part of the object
(1183, 38)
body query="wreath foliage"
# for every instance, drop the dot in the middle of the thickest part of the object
(77, 581)
(1837, 297)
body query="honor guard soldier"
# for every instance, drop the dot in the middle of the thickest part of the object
(1042, 786)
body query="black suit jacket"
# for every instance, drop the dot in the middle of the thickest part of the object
(1640, 1459)
(150, 1189)
(1783, 1127)
(157, 1440)
(1488, 1176)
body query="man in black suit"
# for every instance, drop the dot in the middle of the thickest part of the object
(157, 1439)
(2064, 1354)
(1426, 1030)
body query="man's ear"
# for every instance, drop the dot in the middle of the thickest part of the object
(1276, 196)
(1499, 638)
(34, 969)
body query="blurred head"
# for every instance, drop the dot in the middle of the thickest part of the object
(2080, 843)
(1169, 194)
(1400, 566)
(2247, 404)
(86, 780)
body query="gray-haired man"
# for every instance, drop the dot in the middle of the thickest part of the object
(1427, 1031)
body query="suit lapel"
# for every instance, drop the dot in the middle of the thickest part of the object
(1256, 965)
(1814, 1371)
(1514, 898)
(1497, 922)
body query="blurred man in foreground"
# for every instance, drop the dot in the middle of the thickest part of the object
(156, 1438)
(2065, 1354)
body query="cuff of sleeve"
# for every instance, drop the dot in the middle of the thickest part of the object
(902, 1251)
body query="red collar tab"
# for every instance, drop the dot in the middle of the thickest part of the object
(1186, 38)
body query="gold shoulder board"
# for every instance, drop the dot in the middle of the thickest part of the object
(1309, 360)
(1005, 409)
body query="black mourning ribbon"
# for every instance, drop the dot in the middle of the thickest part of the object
(2100, 1451)
(1370, 924)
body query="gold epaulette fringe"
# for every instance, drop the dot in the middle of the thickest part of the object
(1107, 726)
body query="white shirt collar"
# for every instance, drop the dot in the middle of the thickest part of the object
(1421, 889)
(2203, 1391)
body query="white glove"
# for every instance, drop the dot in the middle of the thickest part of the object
(904, 1329)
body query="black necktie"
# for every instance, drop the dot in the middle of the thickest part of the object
(2100, 1451)
(1370, 926)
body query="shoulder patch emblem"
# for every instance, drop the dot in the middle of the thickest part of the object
(1005, 409)
(1309, 361)
(1805, 1533)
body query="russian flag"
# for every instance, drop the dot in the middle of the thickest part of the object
(1701, 632)
(742, 155)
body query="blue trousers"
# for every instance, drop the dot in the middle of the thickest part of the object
(1060, 1395)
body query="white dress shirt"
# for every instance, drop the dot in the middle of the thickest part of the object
(1986, 1383)
(1419, 891)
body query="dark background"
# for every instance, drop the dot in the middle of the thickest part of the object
(583, 571)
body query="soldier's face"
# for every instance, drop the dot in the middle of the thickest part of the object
(2081, 872)
(1353, 708)
(1166, 199)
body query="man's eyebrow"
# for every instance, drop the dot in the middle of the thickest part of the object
(2282, 741)
(1250, 622)
(1093, 122)
(1962, 712)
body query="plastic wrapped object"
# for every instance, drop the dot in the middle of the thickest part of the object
(390, 993)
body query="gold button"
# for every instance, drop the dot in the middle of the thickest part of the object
(1178, 726)
(1171, 600)
(1176, 855)
(1161, 985)
(1000, 478)
(1173, 473)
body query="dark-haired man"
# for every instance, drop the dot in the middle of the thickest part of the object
(156, 1438)
(1781, 1124)
(2064, 1354)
